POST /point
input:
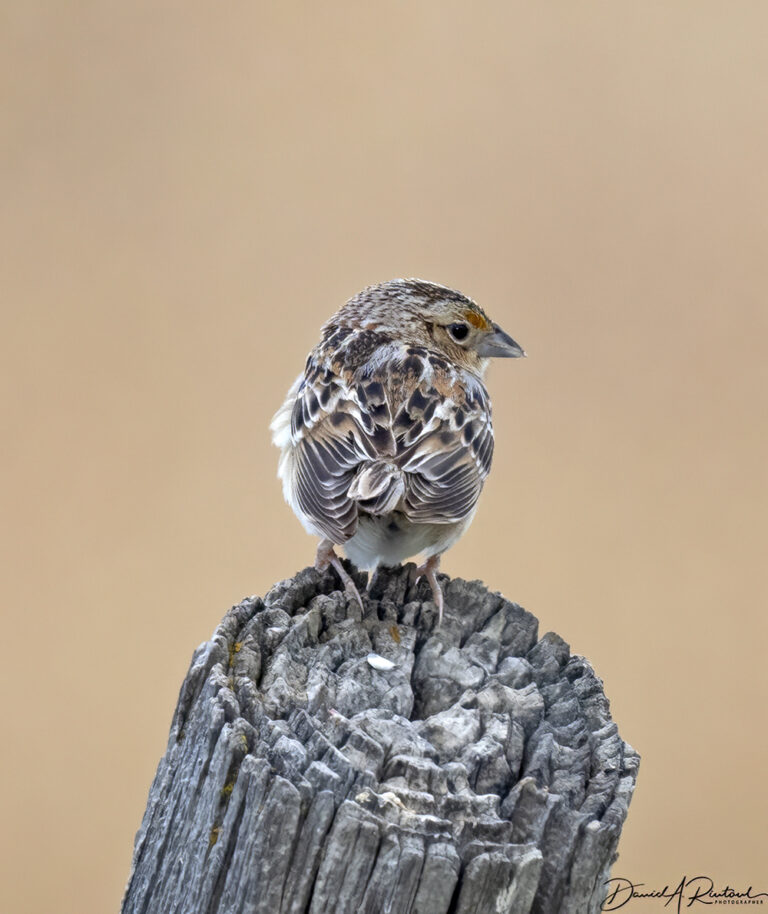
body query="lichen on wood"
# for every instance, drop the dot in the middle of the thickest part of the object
(476, 771)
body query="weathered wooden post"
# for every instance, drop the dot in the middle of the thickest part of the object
(321, 760)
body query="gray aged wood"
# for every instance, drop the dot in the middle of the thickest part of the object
(481, 774)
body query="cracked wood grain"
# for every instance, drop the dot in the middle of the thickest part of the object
(481, 772)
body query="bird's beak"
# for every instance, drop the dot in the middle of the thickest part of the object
(497, 344)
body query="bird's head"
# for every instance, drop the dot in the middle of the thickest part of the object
(425, 314)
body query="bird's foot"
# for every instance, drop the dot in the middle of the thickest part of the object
(326, 555)
(429, 570)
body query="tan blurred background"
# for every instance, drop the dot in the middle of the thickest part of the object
(189, 190)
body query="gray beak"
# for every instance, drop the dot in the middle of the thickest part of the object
(499, 345)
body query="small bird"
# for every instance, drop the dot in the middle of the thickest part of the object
(386, 436)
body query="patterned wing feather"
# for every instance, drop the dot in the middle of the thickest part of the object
(448, 460)
(403, 434)
(337, 427)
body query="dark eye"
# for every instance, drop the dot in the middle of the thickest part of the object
(459, 331)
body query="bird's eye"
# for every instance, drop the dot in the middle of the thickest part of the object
(459, 331)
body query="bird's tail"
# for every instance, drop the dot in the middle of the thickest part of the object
(378, 487)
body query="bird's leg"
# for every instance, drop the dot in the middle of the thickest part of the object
(429, 570)
(371, 578)
(326, 555)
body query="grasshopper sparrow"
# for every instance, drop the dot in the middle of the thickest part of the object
(386, 436)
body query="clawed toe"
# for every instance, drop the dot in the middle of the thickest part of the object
(326, 556)
(350, 589)
(429, 570)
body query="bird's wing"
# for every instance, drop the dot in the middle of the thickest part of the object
(444, 447)
(338, 424)
(406, 435)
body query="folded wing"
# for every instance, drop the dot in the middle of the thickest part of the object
(386, 443)
(446, 459)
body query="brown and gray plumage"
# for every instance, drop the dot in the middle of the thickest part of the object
(386, 436)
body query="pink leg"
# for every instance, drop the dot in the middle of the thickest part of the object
(429, 570)
(326, 555)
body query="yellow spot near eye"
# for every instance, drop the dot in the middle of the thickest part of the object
(478, 321)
